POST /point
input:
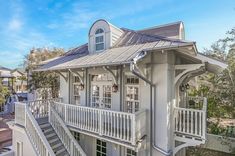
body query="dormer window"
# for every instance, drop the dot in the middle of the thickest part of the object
(99, 39)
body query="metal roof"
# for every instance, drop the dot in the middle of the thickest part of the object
(122, 52)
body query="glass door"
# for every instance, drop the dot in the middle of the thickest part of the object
(132, 94)
(101, 96)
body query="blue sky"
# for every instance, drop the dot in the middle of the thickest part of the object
(64, 23)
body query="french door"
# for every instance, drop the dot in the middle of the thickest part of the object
(101, 95)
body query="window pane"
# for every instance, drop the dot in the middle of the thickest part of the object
(99, 39)
(99, 31)
(99, 46)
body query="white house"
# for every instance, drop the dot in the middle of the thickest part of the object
(6, 76)
(122, 94)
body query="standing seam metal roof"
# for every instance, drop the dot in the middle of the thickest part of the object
(125, 49)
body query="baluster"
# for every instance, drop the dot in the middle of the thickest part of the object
(196, 123)
(188, 121)
(200, 124)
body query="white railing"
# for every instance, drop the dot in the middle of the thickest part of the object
(64, 134)
(20, 113)
(127, 127)
(191, 121)
(40, 108)
(33, 130)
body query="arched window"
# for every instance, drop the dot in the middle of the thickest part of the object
(99, 39)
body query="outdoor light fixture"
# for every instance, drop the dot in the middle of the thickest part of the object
(81, 86)
(184, 87)
(115, 88)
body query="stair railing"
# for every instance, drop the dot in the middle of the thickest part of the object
(33, 130)
(64, 133)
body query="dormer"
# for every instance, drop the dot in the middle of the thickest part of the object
(102, 35)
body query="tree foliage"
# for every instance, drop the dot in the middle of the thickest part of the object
(220, 88)
(4, 92)
(42, 80)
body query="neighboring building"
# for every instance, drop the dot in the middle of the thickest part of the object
(6, 76)
(20, 82)
(123, 94)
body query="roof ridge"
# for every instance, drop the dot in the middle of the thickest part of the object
(156, 36)
(160, 26)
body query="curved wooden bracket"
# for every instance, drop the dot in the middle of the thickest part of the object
(62, 75)
(114, 75)
(81, 78)
(186, 69)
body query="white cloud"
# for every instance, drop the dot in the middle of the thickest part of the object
(15, 24)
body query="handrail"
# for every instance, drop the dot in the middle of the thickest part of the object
(71, 142)
(98, 109)
(39, 140)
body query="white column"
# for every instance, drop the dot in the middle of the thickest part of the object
(163, 78)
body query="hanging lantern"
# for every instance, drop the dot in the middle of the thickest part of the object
(115, 88)
(81, 86)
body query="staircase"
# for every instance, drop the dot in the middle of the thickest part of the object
(53, 139)
(47, 131)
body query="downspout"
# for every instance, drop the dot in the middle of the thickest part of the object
(133, 67)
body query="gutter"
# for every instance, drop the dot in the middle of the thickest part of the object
(133, 67)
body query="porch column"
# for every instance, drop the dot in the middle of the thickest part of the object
(163, 78)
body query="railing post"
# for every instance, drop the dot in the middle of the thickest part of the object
(133, 129)
(100, 122)
(204, 117)
(25, 107)
(49, 111)
(71, 148)
(65, 113)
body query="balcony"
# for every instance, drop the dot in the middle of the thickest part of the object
(190, 122)
(115, 126)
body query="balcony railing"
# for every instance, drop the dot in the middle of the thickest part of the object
(122, 126)
(191, 122)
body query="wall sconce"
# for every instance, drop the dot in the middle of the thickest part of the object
(81, 86)
(115, 88)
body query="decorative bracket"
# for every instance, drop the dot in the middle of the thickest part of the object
(81, 78)
(64, 76)
(114, 76)
(186, 69)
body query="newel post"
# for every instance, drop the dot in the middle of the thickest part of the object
(133, 128)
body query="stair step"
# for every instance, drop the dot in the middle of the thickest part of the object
(60, 151)
(48, 130)
(50, 135)
(65, 153)
(45, 125)
(56, 145)
(53, 140)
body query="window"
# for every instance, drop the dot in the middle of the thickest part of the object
(76, 90)
(76, 135)
(101, 148)
(132, 94)
(130, 152)
(99, 40)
